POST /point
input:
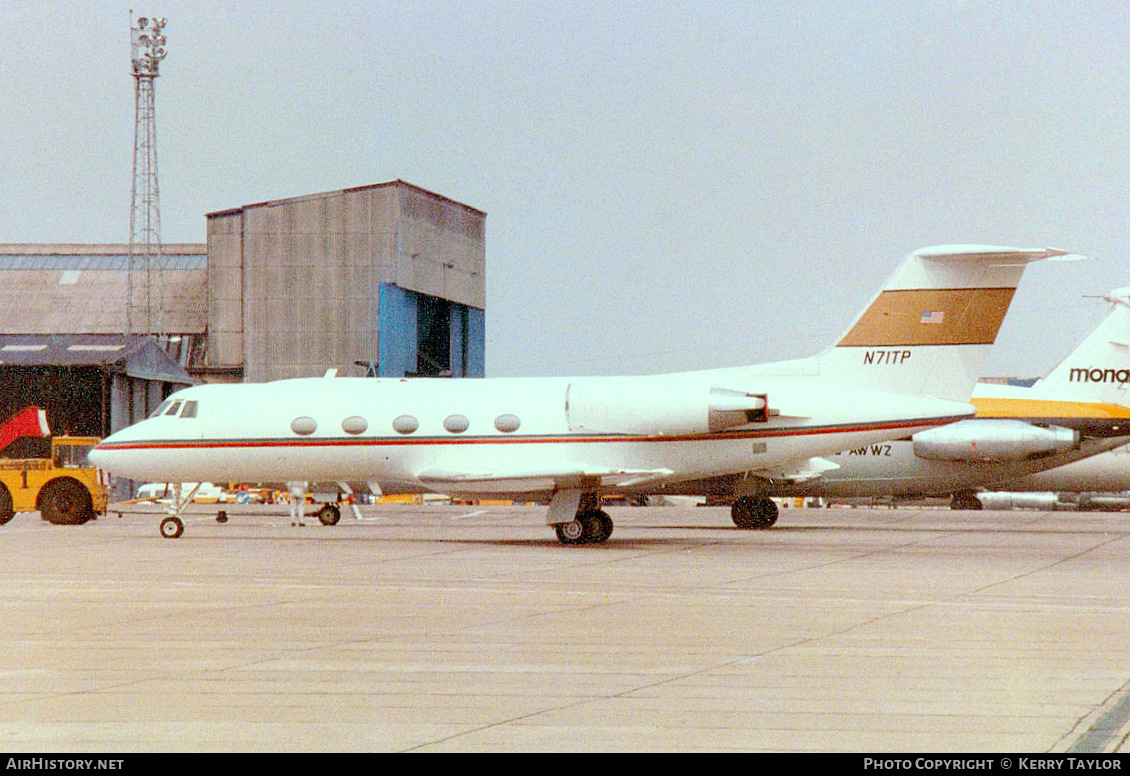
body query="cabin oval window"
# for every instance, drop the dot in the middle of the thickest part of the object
(507, 424)
(355, 424)
(456, 424)
(405, 424)
(304, 426)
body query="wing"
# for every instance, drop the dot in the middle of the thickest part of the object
(798, 471)
(563, 477)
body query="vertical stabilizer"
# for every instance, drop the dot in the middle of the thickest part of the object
(931, 327)
(1099, 369)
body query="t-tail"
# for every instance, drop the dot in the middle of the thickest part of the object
(1098, 371)
(930, 329)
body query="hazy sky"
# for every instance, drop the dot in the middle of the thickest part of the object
(668, 185)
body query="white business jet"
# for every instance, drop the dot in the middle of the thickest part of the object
(908, 363)
(1078, 411)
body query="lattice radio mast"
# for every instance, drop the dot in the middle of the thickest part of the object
(147, 49)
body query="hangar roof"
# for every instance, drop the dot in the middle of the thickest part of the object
(371, 187)
(79, 289)
(137, 355)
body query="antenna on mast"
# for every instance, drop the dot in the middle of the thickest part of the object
(147, 49)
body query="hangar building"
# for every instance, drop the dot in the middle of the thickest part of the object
(387, 279)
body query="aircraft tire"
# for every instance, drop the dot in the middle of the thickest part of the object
(590, 527)
(598, 526)
(172, 527)
(966, 500)
(6, 511)
(571, 533)
(65, 501)
(329, 514)
(605, 525)
(753, 513)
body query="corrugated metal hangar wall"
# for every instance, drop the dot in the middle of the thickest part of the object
(388, 275)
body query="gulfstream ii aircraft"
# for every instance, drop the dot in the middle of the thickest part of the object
(907, 364)
(1079, 410)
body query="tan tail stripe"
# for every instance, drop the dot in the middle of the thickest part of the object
(969, 316)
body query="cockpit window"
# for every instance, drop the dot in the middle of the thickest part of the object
(161, 409)
(173, 409)
(189, 410)
(72, 456)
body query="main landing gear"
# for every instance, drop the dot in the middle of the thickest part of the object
(589, 527)
(577, 518)
(750, 512)
(966, 499)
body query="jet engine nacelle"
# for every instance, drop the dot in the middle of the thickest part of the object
(1048, 501)
(994, 441)
(643, 406)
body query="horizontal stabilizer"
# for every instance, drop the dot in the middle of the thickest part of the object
(993, 252)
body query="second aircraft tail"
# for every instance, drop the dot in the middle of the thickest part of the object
(1098, 370)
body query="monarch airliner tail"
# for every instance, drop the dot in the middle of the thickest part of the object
(1099, 369)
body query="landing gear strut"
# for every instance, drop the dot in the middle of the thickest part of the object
(172, 526)
(750, 512)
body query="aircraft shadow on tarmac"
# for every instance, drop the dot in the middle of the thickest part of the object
(275, 526)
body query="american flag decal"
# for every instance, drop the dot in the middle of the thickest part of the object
(932, 316)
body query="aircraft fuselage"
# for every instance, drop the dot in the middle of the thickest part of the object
(393, 430)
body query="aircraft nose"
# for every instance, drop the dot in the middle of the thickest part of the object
(104, 456)
(100, 456)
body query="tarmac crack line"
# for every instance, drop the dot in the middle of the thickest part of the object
(1095, 739)
(1098, 735)
(682, 676)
